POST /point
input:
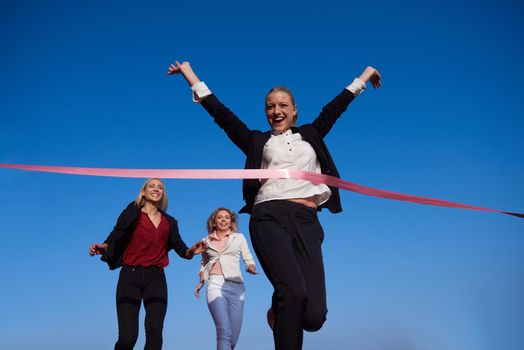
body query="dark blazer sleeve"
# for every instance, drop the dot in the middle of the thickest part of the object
(119, 237)
(174, 240)
(235, 129)
(332, 111)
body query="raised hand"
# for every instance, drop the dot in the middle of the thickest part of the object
(178, 68)
(185, 70)
(372, 75)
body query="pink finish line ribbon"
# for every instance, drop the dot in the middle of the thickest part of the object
(250, 174)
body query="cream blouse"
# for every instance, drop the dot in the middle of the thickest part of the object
(229, 257)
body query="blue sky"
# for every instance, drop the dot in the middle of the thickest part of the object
(83, 84)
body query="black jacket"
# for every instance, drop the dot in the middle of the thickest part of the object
(252, 142)
(119, 238)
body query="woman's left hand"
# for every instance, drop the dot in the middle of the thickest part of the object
(372, 75)
(252, 269)
(196, 248)
(178, 68)
(197, 289)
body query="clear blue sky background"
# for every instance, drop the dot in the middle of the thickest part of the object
(83, 84)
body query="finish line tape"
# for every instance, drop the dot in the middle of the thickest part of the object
(216, 174)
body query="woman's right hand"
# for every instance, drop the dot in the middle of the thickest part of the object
(178, 68)
(97, 248)
(185, 70)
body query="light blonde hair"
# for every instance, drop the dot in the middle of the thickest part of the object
(290, 94)
(140, 201)
(211, 221)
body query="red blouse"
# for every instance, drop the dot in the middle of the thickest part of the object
(148, 245)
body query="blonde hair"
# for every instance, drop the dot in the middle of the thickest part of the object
(290, 94)
(140, 201)
(211, 221)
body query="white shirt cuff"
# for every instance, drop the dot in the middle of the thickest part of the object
(200, 91)
(356, 87)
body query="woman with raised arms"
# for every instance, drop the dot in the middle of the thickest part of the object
(284, 227)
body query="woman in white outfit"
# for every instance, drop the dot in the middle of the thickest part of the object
(220, 268)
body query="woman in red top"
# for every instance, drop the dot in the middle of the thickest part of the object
(139, 242)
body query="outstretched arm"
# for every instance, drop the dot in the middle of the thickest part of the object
(334, 109)
(185, 70)
(200, 90)
(235, 129)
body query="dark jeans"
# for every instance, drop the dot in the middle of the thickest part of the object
(287, 239)
(134, 285)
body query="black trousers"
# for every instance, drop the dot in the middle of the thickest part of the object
(134, 285)
(287, 239)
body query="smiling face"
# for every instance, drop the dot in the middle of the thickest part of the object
(153, 191)
(222, 221)
(281, 111)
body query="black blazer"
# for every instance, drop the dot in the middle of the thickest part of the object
(120, 236)
(252, 142)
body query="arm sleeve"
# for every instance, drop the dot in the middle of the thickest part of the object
(356, 87)
(235, 129)
(246, 253)
(202, 266)
(332, 111)
(203, 261)
(175, 241)
(200, 91)
(121, 222)
(119, 231)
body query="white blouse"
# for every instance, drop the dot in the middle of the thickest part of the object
(289, 151)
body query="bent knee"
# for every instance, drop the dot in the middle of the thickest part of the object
(313, 323)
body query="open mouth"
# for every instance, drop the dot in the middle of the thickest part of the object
(277, 120)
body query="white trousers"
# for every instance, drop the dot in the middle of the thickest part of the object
(226, 303)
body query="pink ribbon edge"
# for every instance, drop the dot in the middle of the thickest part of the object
(250, 174)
